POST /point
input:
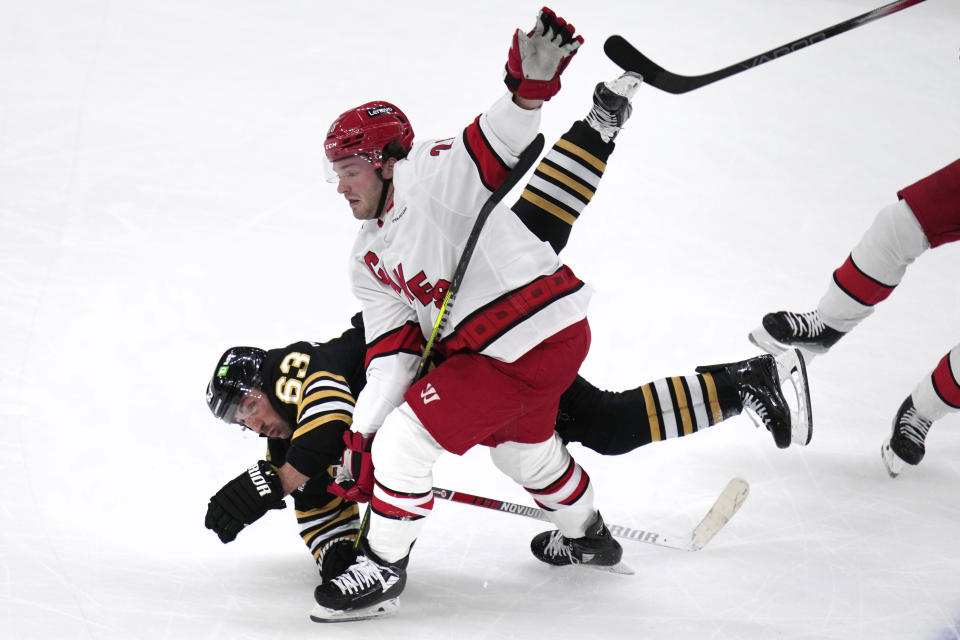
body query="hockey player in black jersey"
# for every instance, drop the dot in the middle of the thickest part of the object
(301, 397)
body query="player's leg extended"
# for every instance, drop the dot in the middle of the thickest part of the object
(566, 179)
(934, 397)
(927, 215)
(875, 266)
(613, 423)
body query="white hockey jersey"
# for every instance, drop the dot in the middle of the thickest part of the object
(515, 292)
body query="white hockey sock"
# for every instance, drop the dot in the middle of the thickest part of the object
(403, 457)
(939, 393)
(876, 265)
(555, 481)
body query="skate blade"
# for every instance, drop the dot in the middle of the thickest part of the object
(793, 374)
(891, 461)
(385, 608)
(760, 338)
(621, 568)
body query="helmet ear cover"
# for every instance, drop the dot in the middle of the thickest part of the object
(237, 372)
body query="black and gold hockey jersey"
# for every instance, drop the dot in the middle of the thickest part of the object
(313, 386)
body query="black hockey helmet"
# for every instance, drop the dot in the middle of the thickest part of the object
(237, 372)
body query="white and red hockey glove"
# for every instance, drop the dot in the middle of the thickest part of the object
(354, 479)
(536, 59)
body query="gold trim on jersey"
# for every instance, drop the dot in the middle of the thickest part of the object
(320, 421)
(324, 374)
(324, 394)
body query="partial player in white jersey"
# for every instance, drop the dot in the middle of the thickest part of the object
(926, 216)
(516, 337)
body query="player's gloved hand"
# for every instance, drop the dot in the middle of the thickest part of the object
(354, 479)
(536, 59)
(243, 500)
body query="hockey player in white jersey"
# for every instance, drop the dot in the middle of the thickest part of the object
(513, 343)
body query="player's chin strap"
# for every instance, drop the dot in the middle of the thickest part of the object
(384, 187)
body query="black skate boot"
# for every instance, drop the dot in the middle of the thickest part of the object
(759, 382)
(906, 441)
(366, 589)
(611, 104)
(805, 331)
(335, 558)
(597, 548)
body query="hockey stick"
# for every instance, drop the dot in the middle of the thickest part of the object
(724, 507)
(627, 57)
(526, 160)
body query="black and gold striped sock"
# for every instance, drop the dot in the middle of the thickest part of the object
(615, 422)
(563, 184)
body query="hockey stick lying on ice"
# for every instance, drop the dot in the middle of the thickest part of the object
(625, 55)
(727, 504)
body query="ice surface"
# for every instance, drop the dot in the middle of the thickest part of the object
(162, 198)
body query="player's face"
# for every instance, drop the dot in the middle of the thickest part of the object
(360, 184)
(256, 414)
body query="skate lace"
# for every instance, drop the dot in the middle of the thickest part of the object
(913, 426)
(363, 573)
(758, 408)
(557, 546)
(805, 325)
(601, 116)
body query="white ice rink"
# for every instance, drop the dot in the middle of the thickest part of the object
(162, 198)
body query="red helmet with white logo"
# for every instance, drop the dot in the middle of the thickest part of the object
(366, 130)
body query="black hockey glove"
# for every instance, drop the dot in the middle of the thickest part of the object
(243, 500)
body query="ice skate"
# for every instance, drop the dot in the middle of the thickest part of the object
(597, 549)
(906, 442)
(369, 588)
(761, 382)
(611, 104)
(804, 331)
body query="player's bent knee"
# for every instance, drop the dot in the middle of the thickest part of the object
(404, 452)
(531, 465)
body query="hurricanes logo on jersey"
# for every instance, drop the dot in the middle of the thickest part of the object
(429, 394)
(415, 288)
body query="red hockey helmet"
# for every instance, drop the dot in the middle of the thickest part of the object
(366, 130)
